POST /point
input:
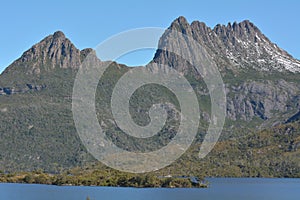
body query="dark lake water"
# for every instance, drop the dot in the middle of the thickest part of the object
(220, 188)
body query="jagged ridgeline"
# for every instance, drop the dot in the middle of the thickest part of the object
(262, 88)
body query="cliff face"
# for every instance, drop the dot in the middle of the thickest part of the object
(260, 77)
(235, 46)
(263, 99)
(53, 51)
(30, 71)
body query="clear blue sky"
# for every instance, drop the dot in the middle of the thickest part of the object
(87, 23)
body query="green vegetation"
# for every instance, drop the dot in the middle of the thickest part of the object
(269, 153)
(103, 177)
(273, 152)
(37, 132)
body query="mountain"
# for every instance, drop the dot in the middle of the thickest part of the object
(261, 80)
(53, 51)
(235, 46)
(37, 130)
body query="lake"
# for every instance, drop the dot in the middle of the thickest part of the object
(220, 188)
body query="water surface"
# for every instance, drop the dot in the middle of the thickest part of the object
(220, 188)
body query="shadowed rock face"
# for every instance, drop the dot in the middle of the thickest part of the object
(261, 99)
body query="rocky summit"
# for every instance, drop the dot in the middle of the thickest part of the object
(235, 46)
(260, 136)
(54, 51)
(260, 77)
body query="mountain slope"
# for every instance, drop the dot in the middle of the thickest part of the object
(36, 126)
(261, 80)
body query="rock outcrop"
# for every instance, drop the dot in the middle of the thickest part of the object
(235, 46)
(241, 52)
(54, 51)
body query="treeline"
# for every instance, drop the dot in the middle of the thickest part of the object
(100, 178)
(273, 152)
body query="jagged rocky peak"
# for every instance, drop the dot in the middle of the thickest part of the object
(53, 51)
(59, 34)
(56, 51)
(233, 46)
(180, 21)
(86, 51)
(242, 30)
(200, 27)
(181, 24)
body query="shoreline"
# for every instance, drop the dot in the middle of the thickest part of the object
(126, 181)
